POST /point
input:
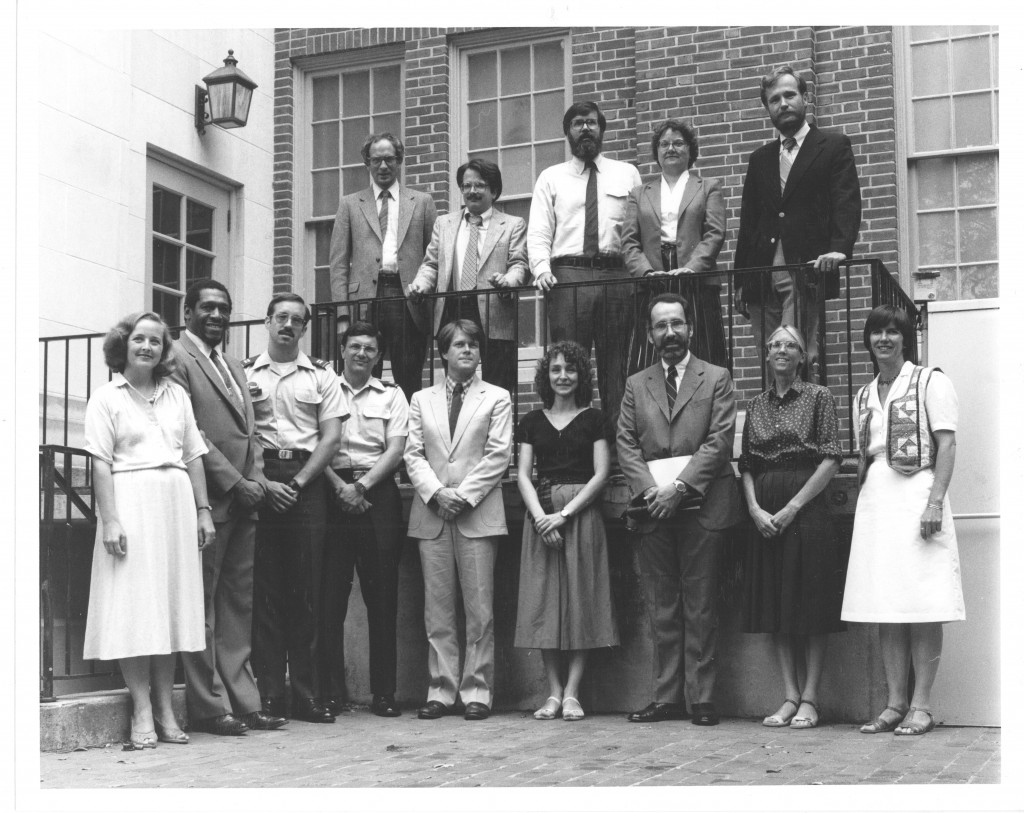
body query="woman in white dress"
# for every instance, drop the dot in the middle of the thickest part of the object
(904, 571)
(146, 592)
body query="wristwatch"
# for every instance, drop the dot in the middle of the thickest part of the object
(360, 488)
(564, 514)
(294, 485)
(680, 486)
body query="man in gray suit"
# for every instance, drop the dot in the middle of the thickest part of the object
(379, 238)
(220, 691)
(680, 406)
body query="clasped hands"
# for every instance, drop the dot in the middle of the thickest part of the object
(547, 526)
(769, 525)
(349, 499)
(662, 501)
(450, 503)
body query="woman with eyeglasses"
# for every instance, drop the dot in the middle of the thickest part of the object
(673, 230)
(793, 575)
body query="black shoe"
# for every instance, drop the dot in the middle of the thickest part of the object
(226, 725)
(260, 721)
(274, 707)
(310, 710)
(434, 710)
(704, 714)
(384, 705)
(659, 712)
(477, 711)
(336, 706)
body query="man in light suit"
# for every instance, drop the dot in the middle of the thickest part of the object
(680, 406)
(379, 238)
(498, 260)
(801, 205)
(459, 446)
(221, 692)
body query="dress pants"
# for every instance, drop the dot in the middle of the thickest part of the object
(371, 545)
(286, 597)
(499, 356)
(404, 343)
(219, 680)
(452, 562)
(678, 564)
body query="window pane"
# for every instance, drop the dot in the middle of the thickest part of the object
(549, 109)
(931, 125)
(946, 285)
(325, 145)
(483, 75)
(973, 120)
(547, 155)
(976, 179)
(386, 83)
(960, 30)
(353, 135)
(549, 65)
(166, 212)
(971, 64)
(978, 235)
(354, 179)
(166, 270)
(325, 193)
(199, 225)
(323, 242)
(197, 266)
(515, 70)
(515, 120)
(979, 282)
(488, 155)
(168, 306)
(516, 171)
(356, 94)
(936, 238)
(519, 208)
(926, 32)
(995, 61)
(325, 98)
(935, 183)
(931, 69)
(483, 125)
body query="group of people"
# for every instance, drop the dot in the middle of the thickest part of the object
(284, 471)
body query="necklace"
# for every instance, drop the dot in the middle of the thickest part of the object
(885, 382)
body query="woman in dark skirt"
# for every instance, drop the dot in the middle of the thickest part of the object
(565, 601)
(793, 580)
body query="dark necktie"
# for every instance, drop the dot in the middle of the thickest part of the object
(383, 216)
(670, 386)
(467, 278)
(786, 160)
(590, 233)
(219, 364)
(454, 409)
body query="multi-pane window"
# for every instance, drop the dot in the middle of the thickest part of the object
(954, 160)
(182, 249)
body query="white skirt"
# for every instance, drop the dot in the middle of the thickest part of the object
(894, 575)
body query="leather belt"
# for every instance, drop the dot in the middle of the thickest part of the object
(350, 475)
(286, 454)
(601, 261)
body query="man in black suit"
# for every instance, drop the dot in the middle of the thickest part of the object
(801, 205)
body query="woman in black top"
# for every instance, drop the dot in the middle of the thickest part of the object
(565, 602)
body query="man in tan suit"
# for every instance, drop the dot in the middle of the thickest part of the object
(459, 446)
(680, 406)
(496, 261)
(379, 238)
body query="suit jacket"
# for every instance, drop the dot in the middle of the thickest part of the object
(357, 243)
(818, 213)
(702, 423)
(473, 461)
(503, 252)
(229, 430)
(699, 232)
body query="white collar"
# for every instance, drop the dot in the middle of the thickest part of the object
(204, 348)
(391, 190)
(801, 134)
(679, 365)
(485, 217)
(580, 166)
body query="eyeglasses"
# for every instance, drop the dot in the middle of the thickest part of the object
(284, 319)
(776, 346)
(356, 348)
(390, 160)
(475, 187)
(579, 124)
(675, 324)
(678, 144)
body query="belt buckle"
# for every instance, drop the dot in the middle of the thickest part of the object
(285, 454)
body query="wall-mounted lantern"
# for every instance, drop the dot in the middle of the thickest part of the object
(225, 99)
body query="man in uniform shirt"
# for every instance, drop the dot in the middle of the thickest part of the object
(365, 528)
(299, 411)
(575, 235)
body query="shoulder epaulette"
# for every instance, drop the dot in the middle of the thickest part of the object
(323, 365)
(247, 363)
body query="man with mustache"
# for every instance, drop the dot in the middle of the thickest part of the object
(478, 249)
(575, 235)
(801, 205)
(680, 407)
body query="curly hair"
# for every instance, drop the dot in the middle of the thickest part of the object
(115, 344)
(574, 356)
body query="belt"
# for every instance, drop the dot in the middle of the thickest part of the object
(784, 465)
(350, 475)
(390, 278)
(601, 261)
(286, 454)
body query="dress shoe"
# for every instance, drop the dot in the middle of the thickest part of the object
(659, 712)
(260, 721)
(704, 714)
(336, 706)
(434, 710)
(477, 711)
(226, 725)
(310, 710)
(384, 705)
(274, 707)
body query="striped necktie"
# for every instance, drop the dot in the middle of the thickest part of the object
(670, 386)
(786, 160)
(467, 277)
(591, 237)
(219, 364)
(383, 216)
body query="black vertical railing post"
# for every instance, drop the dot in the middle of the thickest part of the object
(46, 474)
(849, 361)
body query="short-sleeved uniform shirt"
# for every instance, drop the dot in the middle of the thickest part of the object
(379, 411)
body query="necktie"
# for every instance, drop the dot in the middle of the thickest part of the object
(670, 386)
(383, 216)
(590, 234)
(454, 409)
(219, 364)
(467, 278)
(786, 160)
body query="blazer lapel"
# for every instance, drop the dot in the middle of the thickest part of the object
(656, 388)
(813, 144)
(496, 228)
(405, 213)
(446, 268)
(693, 184)
(469, 407)
(439, 406)
(368, 205)
(215, 378)
(692, 380)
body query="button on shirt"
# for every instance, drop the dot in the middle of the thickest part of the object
(389, 251)
(558, 210)
(378, 413)
(671, 201)
(293, 399)
(680, 369)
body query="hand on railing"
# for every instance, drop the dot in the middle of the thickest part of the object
(545, 281)
(417, 290)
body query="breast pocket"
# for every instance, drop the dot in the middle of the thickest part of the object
(261, 407)
(308, 401)
(615, 200)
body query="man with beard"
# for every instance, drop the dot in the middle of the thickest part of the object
(575, 235)
(801, 205)
(680, 407)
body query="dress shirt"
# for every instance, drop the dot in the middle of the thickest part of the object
(221, 367)
(680, 369)
(940, 402)
(801, 134)
(462, 241)
(389, 251)
(378, 412)
(671, 201)
(558, 210)
(449, 388)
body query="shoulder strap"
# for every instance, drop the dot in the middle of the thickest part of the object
(247, 363)
(323, 365)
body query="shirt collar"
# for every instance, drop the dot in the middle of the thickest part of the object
(796, 388)
(683, 180)
(391, 190)
(801, 134)
(302, 361)
(581, 167)
(373, 384)
(161, 384)
(203, 347)
(485, 217)
(449, 382)
(680, 365)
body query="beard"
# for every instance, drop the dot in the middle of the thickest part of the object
(586, 146)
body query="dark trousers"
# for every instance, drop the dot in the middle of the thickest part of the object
(707, 339)
(404, 343)
(371, 545)
(498, 356)
(286, 595)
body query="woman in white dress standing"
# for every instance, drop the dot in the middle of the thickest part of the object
(904, 571)
(146, 592)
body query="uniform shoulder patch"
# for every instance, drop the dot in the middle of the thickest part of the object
(247, 363)
(323, 365)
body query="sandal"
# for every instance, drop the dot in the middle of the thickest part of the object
(914, 729)
(880, 725)
(141, 739)
(777, 720)
(571, 709)
(173, 735)
(550, 710)
(806, 722)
